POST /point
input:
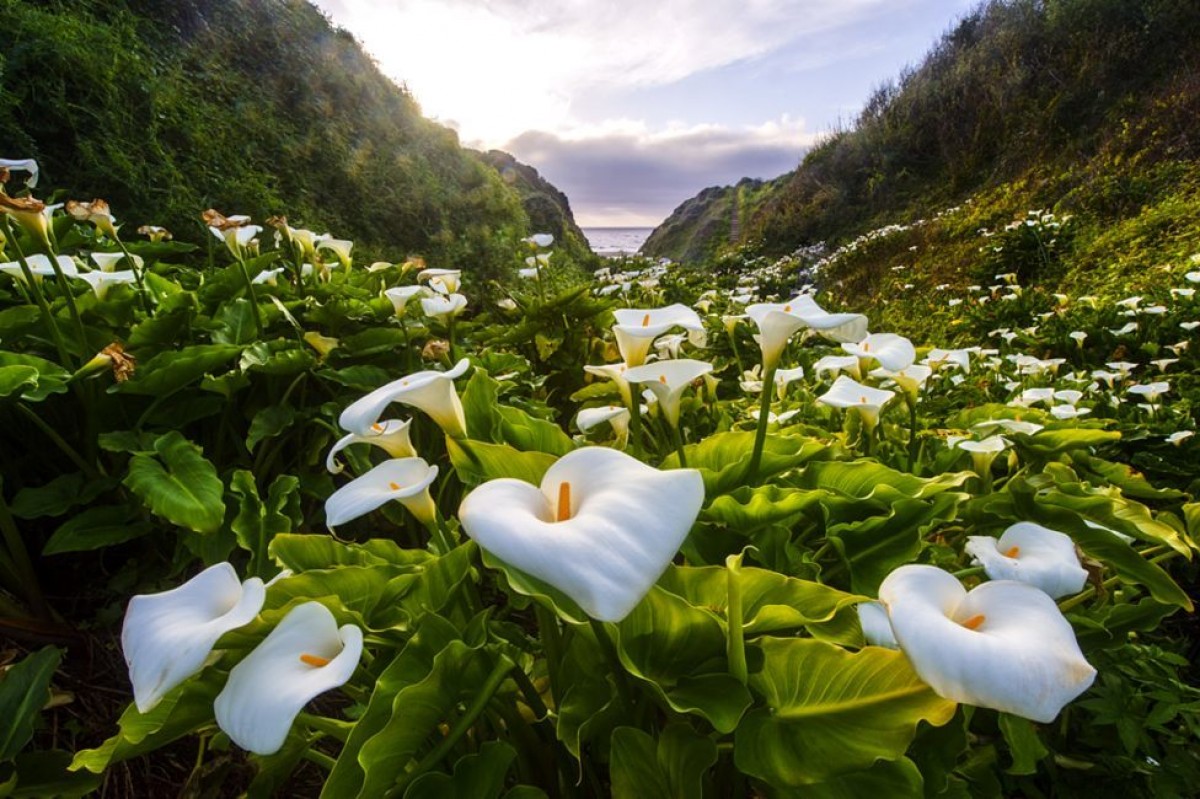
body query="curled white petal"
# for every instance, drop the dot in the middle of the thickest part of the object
(269, 688)
(405, 480)
(167, 637)
(1029, 553)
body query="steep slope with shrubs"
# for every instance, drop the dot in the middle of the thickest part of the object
(1083, 108)
(252, 106)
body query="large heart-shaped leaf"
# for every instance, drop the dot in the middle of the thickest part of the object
(180, 484)
(671, 767)
(829, 712)
(23, 692)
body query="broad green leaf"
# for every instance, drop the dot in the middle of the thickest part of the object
(477, 776)
(40, 775)
(375, 341)
(724, 457)
(829, 712)
(256, 522)
(282, 358)
(184, 710)
(235, 323)
(18, 319)
(96, 527)
(893, 779)
(478, 461)
(268, 423)
(274, 770)
(24, 690)
(16, 377)
(303, 552)
(1124, 477)
(530, 434)
(670, 767)
(58, 496)
(589, 707)
(1051, 443)
(771, 602)
(529, 586)
(1023, 742)
(170, 371)
(479, 401)
(748, 509)
(861, 479)
(180, 484)
(412, 665)
(680, 651)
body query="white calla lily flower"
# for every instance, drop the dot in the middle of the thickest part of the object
(107, 261)
(443, 281)
(391, 435)
(939, 358)
(305, 655)
(616, 373)
(430, 391)
(601, 528)
(852, 395)
(405, 480)
(778, 321)
(401, 295)
(616, 415)
(40, 266)
(101, 282)
(1029, 553)
(911, 379)
(783, 377)
(893, 352)
(668, 380)
(836, 364)
(540, 239)
(636, 328)
(24, 165)
(167, 637)
(876, 627)
(1004, 645)
(444, 307)
(340, 248)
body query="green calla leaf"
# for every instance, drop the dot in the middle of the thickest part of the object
(748, 509)
(671, 767)
(179, 484)
(477, 462)
(723, 458)
(96, 527)
(30, 377)
(1023, 743)
(171, 371)
(477, 776)
(829, 712)
(303, 552)
(24, 690)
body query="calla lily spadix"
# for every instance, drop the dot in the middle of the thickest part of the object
(305, 655)
(601, 528)
(863, 400)
(893, 352)
(167, 637)
(443, 281)
(430, 391)
(778, 321)
(636, 328)
(405, 480)
(1029, 553)
(668, 380)
(391, 435)
(1004, 645)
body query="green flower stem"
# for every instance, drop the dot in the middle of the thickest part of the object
(868, 438)
(635, 423)
(450, 337)
(18, 557)
(253, 295)
(440, 533)
(624, 689)
(90, 470)
(492, 684)
(974, 571)
(36, 291)
(1077, 600)
(735, 645)
(137, 275)
(912, 433)
(331, 727)
(319, 758)
(764, 413)
(552, 646)
(737, 352)
(69, 297)
(677, 437)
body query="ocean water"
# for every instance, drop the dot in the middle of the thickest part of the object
(610, 242)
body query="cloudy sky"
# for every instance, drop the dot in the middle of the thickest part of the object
(632, 106)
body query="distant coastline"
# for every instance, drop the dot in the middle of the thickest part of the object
(613, 242)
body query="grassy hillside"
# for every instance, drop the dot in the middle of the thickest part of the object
(164, 107)
(1083, 108)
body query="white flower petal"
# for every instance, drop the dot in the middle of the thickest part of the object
(432, 392)
(626, 522)
(877, 629)
(1019, 655)
(1030, 553)
(167, 637)
(405, 480)
(269, 688)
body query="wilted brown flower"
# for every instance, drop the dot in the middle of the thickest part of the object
(155, 233)
(97, 212)
(435, 350)
(123, 364)
(214, 218)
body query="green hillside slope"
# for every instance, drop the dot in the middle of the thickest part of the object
(166, 107)
(1083, 108)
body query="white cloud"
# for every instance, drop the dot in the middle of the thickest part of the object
(622, 173)
(496, 68)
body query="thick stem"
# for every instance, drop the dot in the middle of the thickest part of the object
(620, 676)
(735, 644)
(137, 275)
(253, 296)
(677, 436)
(552, 647)
(764, 414)
(478, 704)
(635, 424)
(912, 434)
